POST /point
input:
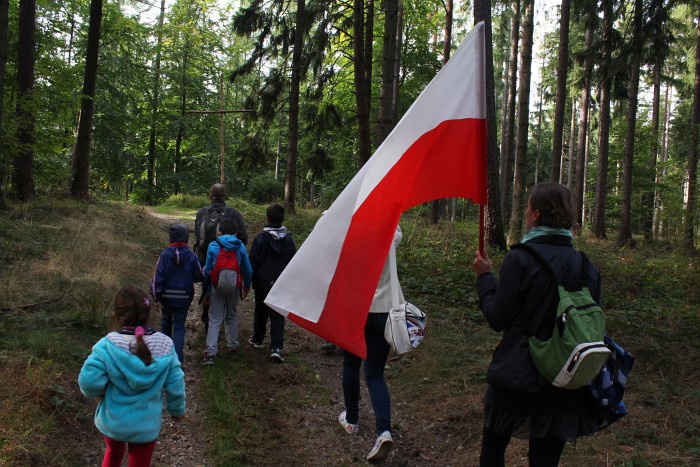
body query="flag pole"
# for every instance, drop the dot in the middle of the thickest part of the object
(481, 229)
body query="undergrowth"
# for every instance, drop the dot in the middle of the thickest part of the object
(63, 261)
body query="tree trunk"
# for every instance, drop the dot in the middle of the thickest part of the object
(80, 165)
(508, 153)
(581, 144)
(625, 231)
(4, 7)
(385, 120)
(151, 170)
(572, 147)
(493, 223)
(692, 169)
(659, 224)
(362, 93)
(293, 143)
(397, 65)
(516, 220)
(25, 108)
(560, 106)
(604, 123)
(183, 112)
(447, 45)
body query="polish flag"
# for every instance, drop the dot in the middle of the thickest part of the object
(437, 150)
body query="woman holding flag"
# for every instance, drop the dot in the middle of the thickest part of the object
(519, 402)
(377, 354)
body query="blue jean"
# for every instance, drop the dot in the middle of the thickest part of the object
(377, 353)
(172, 324)
(261, 315)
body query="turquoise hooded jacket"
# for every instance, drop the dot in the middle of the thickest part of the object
(131, 408)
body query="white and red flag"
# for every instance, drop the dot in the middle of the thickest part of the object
(437, 150)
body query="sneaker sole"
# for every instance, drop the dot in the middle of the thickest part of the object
(276, 358)
(382, 453)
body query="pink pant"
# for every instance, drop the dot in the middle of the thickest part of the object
(139, 454)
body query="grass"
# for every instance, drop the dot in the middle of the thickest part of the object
(63, 261)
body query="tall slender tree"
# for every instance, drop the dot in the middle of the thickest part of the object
(25, 106)
(560, 105)
(581, 143)
(508, 149)
(362, 88)
(4, 8)
(80, 166)
(689, 214)
(516, 219)
(493, 221)
(385, 119)
(155, 93)
(293, 142)
(601, 191)
(625, 229)
(661, 41)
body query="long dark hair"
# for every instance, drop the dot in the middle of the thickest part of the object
(132, 308)
(554, 201)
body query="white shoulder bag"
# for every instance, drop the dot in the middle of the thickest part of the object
(405, 326)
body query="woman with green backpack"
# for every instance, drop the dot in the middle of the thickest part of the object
(523, 303)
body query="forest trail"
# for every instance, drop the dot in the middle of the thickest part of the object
(308, 433)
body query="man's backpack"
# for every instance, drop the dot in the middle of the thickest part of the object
(208, 229)
(576, 352)
(226, 274)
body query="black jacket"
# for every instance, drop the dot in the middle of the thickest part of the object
(523, 302)
(228, 211)
(271, 251)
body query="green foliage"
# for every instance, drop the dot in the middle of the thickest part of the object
(265, 189)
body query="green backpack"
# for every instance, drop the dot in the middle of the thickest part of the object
(575, 353)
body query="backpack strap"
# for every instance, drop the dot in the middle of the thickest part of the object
(538, 256)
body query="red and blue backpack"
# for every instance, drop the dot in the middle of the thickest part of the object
(226, 274)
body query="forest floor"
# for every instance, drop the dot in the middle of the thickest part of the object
(248, 410)
(310, 433)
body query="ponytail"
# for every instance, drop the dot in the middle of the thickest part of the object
(142, 350)
(132, 307)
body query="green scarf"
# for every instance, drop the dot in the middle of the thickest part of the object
(542, 230)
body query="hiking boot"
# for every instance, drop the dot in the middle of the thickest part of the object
(208, 359)
(382, 448)
(255, 344)
(350, 428)
(276, 355)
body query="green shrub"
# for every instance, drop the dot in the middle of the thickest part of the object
(265, 189)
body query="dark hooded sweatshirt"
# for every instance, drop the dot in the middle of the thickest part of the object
(271, 251)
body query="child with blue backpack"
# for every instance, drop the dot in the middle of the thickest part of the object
(173, 285)
(228, 276)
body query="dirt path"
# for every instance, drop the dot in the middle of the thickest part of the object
(311, 435)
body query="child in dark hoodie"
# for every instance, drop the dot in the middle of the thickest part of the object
(173, 285)
(223, 308)
(272, 250)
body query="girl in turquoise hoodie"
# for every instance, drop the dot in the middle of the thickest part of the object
(128, 370)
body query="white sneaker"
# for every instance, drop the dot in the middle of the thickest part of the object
(382, 448)
(350, 428)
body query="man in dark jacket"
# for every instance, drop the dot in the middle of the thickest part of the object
(206, 225)
(272, 250)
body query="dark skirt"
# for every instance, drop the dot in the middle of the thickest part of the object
(562, 413)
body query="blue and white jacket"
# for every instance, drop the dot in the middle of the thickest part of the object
(131, 408)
